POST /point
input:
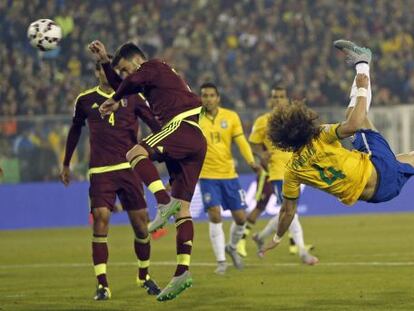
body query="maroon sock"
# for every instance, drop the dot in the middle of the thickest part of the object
(148, 173)
(142, 250)
(185, 235)
(100, 256)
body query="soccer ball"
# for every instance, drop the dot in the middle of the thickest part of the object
(44, 34)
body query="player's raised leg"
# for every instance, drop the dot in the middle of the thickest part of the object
(138, 156)
(360, 58)
(101, 216)
(407, 158)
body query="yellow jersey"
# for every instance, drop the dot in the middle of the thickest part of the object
(326, 165)
(220, 132)
(278, 159)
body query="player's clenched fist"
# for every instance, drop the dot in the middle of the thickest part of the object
(109, 106)
(99, 51)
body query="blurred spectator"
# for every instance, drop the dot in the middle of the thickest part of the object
(243, 46)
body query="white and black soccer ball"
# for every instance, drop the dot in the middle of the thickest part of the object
(44, 34)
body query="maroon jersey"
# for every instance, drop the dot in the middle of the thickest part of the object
(112, 136)
(166, 92)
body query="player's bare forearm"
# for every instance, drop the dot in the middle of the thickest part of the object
(286, 214)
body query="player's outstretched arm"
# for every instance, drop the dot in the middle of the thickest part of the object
(287, 212)
(358, 115)
(98, 50)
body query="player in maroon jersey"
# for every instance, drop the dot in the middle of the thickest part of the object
(111, 175)
(180, 143)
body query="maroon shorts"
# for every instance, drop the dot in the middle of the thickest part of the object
(125, 184)
(183, 149)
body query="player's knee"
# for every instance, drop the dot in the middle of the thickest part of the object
(136, 151)
(214, 216)
(240, 221)
(100, 226)
(141, 231)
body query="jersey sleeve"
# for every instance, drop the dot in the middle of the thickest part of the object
(258, 134)
(291, 186)
(79, 115)
(113, 78)
(329, 133)
(237, 128)
(134, 83)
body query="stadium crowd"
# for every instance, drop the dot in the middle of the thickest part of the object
(243, 46)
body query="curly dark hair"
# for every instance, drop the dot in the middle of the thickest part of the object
(293, 126)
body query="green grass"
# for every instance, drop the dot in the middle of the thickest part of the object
(367, 263)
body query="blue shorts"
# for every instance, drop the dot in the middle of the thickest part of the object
(225, 192)
(392, 174)
(277, 189)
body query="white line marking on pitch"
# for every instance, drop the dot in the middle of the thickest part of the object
(206, 264)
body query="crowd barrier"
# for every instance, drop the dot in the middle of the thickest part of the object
(45, 205)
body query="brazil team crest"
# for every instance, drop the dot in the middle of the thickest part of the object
(223, 124)
(207, 198)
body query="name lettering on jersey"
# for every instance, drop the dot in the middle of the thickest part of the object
(303, 157)
(95, 105)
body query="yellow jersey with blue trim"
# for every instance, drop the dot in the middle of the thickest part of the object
(326, 164)
(220, 132)
(278, 158)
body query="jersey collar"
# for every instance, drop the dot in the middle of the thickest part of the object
(102, 93)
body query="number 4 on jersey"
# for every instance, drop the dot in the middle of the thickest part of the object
(111, 119)
(329, 174)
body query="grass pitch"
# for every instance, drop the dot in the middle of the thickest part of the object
(367, 263)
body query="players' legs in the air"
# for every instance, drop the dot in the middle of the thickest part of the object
(359, 57)
(183, 150)
(407, 158)
(100, 227)
(391, 172)
(138, 156)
